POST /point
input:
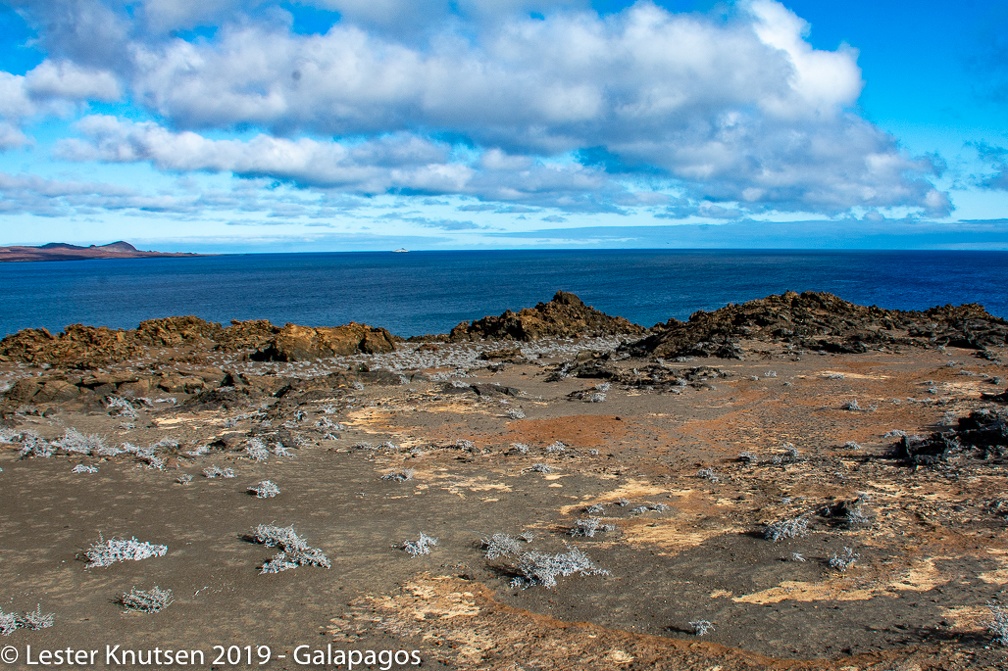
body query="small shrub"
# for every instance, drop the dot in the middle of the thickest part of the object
(399, 476)
(852, 445)
(542, 468)
(294, 550)
(538, 568)
(217, 472)
(595, 509)
(516, 413)
(256, 450)
(796, 527)
(8, 623)
(701, 627)
(122, 406)
(707, 474)
(556, 448)
(152, 600)
(421, 546)
(73, 441)
(35, 620)
(798, 557)
(500, 545)
(589, 526)
(105, 553)
(842, 562)
(520, 448)
(34, 445)
(264, 490)
(998, 625)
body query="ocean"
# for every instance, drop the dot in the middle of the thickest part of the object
(430, 292)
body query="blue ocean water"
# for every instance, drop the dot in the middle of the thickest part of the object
(430, 292)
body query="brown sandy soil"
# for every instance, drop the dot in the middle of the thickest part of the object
(684, 545)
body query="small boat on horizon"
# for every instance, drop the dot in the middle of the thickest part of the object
(401, 250)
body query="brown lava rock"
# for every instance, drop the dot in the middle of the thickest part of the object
(565, 316)
(303, 343)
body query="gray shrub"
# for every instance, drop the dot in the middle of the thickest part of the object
(843, 561)
(539, 568)
(421, 546)
(795, 527)
(588, 527)
(500, 545)
(152, 600)
(998, 624)
(702, 627)
(294, 550)
(36, 619)
(266, 489)
(104, 553)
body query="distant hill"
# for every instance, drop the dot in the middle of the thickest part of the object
(60, 251)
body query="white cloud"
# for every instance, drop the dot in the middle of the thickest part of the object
(737, 112)
(67, 80)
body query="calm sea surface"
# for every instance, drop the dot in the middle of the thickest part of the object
(430, 292)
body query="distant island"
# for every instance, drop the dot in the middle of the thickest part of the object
(59, 251)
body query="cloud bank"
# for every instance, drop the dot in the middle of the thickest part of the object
(545, 103)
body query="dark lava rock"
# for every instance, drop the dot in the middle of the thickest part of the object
(565, 316)
(983, 434)
(820, 321)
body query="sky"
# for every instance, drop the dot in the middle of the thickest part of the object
(353, 125)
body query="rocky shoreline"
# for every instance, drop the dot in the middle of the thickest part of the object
(795, 482)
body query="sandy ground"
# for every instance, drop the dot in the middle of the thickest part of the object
(678, 544)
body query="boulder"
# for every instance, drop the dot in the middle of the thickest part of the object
(305, 343)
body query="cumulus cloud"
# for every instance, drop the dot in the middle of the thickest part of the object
(735, 114)
(394, 163)
(67, 80)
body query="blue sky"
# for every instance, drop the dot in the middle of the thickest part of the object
(267, 125)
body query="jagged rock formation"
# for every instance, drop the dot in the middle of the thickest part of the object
(304, 343)
(565, 316)
(821, 321)
(85, 347)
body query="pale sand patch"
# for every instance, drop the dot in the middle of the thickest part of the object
(998, 576)
(921, 577)
(967, 618)
(852, 376)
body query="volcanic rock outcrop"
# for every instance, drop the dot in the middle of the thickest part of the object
(564, 316)
(821, 321)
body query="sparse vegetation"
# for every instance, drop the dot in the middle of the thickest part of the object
(588, 527)
(266, 489)
(212, 472)
(104, 553)
(998, 624)
(500, 545)
(294, 550)
(844, 560)
(152, 600)
(399, 476)
(701, 627)
(795, 527)
(421, 546)
(538, 568)
(707, 474)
